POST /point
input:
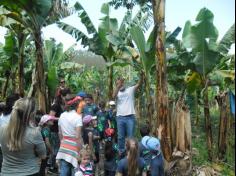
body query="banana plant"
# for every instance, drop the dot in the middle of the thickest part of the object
(101, 41)
(33, 19)
(21, 35)
(33, 15)
(53, 58)
(8, 54)
(201, 38)
(147, 58)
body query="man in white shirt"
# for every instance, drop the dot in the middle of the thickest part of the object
(125, 111)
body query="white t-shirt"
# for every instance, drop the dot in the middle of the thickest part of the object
(125, 102)
(68, 122)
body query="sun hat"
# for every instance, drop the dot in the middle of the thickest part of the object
(74, 100)
(45, 118)
(151, 143)
(81, 94)
(87, 119)
(112, 103)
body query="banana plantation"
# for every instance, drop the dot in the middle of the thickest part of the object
(188, 80)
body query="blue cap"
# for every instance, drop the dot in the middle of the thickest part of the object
(81, 94)
(151, 143)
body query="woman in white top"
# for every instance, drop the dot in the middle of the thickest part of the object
(70, 126)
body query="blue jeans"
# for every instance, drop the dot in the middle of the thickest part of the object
(66, 169)
(125, 128)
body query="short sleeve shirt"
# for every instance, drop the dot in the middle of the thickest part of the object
(69, 121)
(24, 162)
(90, 110)
(102, 117)
(125, 102)
(46, 133)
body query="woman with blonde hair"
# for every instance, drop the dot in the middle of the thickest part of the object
(22, 142)
(132, 164)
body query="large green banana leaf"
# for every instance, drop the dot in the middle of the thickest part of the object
(85, 18)
(201, 38)
(37, 10)
(146, 56)
(227, 40)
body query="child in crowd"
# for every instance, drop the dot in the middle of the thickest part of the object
(90, 136)
(85, 162)
(45, 123)
(90, 108)
(102, 116)
(110, 153)
(132, 164)
(96, 138)
(88, 130)
(112, 117)
(150, 150)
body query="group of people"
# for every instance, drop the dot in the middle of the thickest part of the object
(69, 138)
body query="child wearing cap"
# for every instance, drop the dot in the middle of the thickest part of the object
(90, 137)
(96, 138)
(150, 150)
(45, 123)
(88, 130)
(112, 115)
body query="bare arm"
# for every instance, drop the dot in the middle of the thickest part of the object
(159, 131)
(48, 145)
(118, 86)
(90, 136)
(140, 81)
(79, 138)
(60, 133)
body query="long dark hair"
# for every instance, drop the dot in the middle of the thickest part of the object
(109, 151)
(10, 101)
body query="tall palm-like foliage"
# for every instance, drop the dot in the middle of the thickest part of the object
(202, 39)
(53, 58)
(8, 53)
(103, 39)
(158, 7)
(35, 14)
(20, 34)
